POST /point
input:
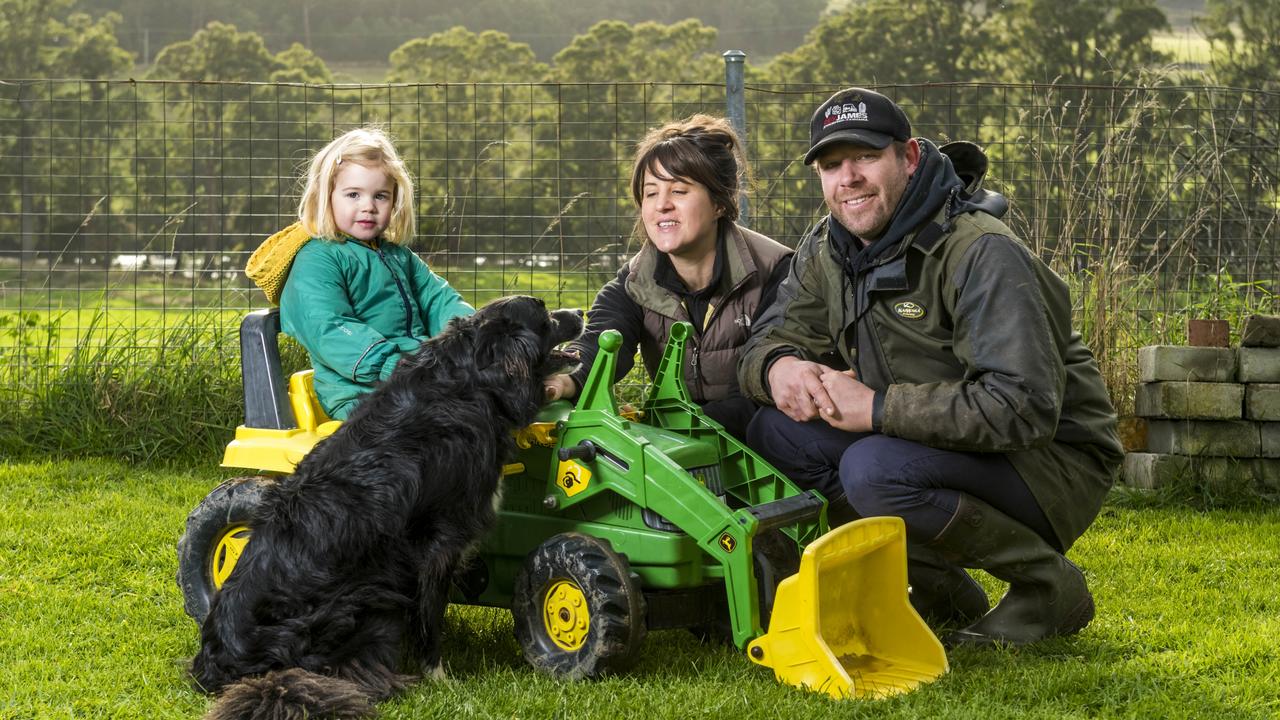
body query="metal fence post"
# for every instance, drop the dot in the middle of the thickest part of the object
(735, 100)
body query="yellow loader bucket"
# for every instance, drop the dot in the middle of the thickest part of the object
(843, 625)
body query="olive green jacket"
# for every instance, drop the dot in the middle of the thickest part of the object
(965, 335)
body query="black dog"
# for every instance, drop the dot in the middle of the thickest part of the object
(348, 572)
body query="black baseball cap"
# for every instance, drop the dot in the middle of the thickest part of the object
(859, 116)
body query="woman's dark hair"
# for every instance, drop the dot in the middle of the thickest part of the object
(701, 148)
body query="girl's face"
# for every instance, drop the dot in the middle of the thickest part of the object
(678, 215)
(362, 200)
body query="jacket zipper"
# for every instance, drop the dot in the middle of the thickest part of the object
(693, 342)
(404, 296)
(706, 323)
(693, 365)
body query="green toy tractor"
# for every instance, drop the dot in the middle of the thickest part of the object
(616, 524)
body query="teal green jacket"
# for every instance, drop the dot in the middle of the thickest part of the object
(357, 309)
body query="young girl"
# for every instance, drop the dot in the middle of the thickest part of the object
(349, 291)
(696, 264)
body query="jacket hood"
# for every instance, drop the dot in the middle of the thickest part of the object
(949, 176)
(268, 266)
(970, 164)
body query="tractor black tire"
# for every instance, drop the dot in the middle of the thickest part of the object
(218, 524)
(579, 612)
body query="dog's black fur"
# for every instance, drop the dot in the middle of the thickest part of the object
(345, 582)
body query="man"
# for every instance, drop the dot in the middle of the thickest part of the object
(921, 363)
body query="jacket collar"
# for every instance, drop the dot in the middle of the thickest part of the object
(665, 275)
(733, 258)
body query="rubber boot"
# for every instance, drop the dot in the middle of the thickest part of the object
(1047, 593)
(942, 593)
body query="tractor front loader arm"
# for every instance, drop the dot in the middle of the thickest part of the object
(843, 624)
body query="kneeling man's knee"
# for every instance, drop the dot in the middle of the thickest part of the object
(873, 477)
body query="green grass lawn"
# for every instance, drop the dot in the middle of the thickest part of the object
(91, 625)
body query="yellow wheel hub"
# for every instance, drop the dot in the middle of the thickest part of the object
(227, 552)
(564, 612)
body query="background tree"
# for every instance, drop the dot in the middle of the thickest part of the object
(467, 139)
(39, 40)
(298, 64)
(876, 43)
(217, 52)
(1076, 45)
(1245, 40)
(459, 55)
(1076, 41)
(215, 130)
(90, 50)
(612, 50)
(596, 147)
(761, 27)
(1245, 37)
(879, 42)
(43, 38)
(28, 30)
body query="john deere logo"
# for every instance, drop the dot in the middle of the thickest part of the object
(572, 478)
(909, 310)
(727, 542)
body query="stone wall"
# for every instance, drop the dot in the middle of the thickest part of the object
(1212, 414)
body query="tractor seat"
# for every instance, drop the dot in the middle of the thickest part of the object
(306, 406)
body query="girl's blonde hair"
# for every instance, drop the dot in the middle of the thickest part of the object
(370, 147)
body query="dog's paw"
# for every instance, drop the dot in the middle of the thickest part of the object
(436, 673)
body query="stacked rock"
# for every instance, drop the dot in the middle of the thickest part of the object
(1212, 413)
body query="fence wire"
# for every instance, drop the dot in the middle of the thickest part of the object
(133, 205)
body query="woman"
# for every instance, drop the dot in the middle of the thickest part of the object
(696, 264)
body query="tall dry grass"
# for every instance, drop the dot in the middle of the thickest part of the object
(1141, 243)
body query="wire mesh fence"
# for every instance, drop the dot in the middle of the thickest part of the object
(134, 205)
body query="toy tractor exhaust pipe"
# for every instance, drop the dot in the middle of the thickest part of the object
(843, 625)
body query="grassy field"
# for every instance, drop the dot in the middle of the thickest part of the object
(91, 625)
(1187, 46)
(118, 292)
(359, 72)
(40, 310)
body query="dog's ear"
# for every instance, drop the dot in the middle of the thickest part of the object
(509, 347)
